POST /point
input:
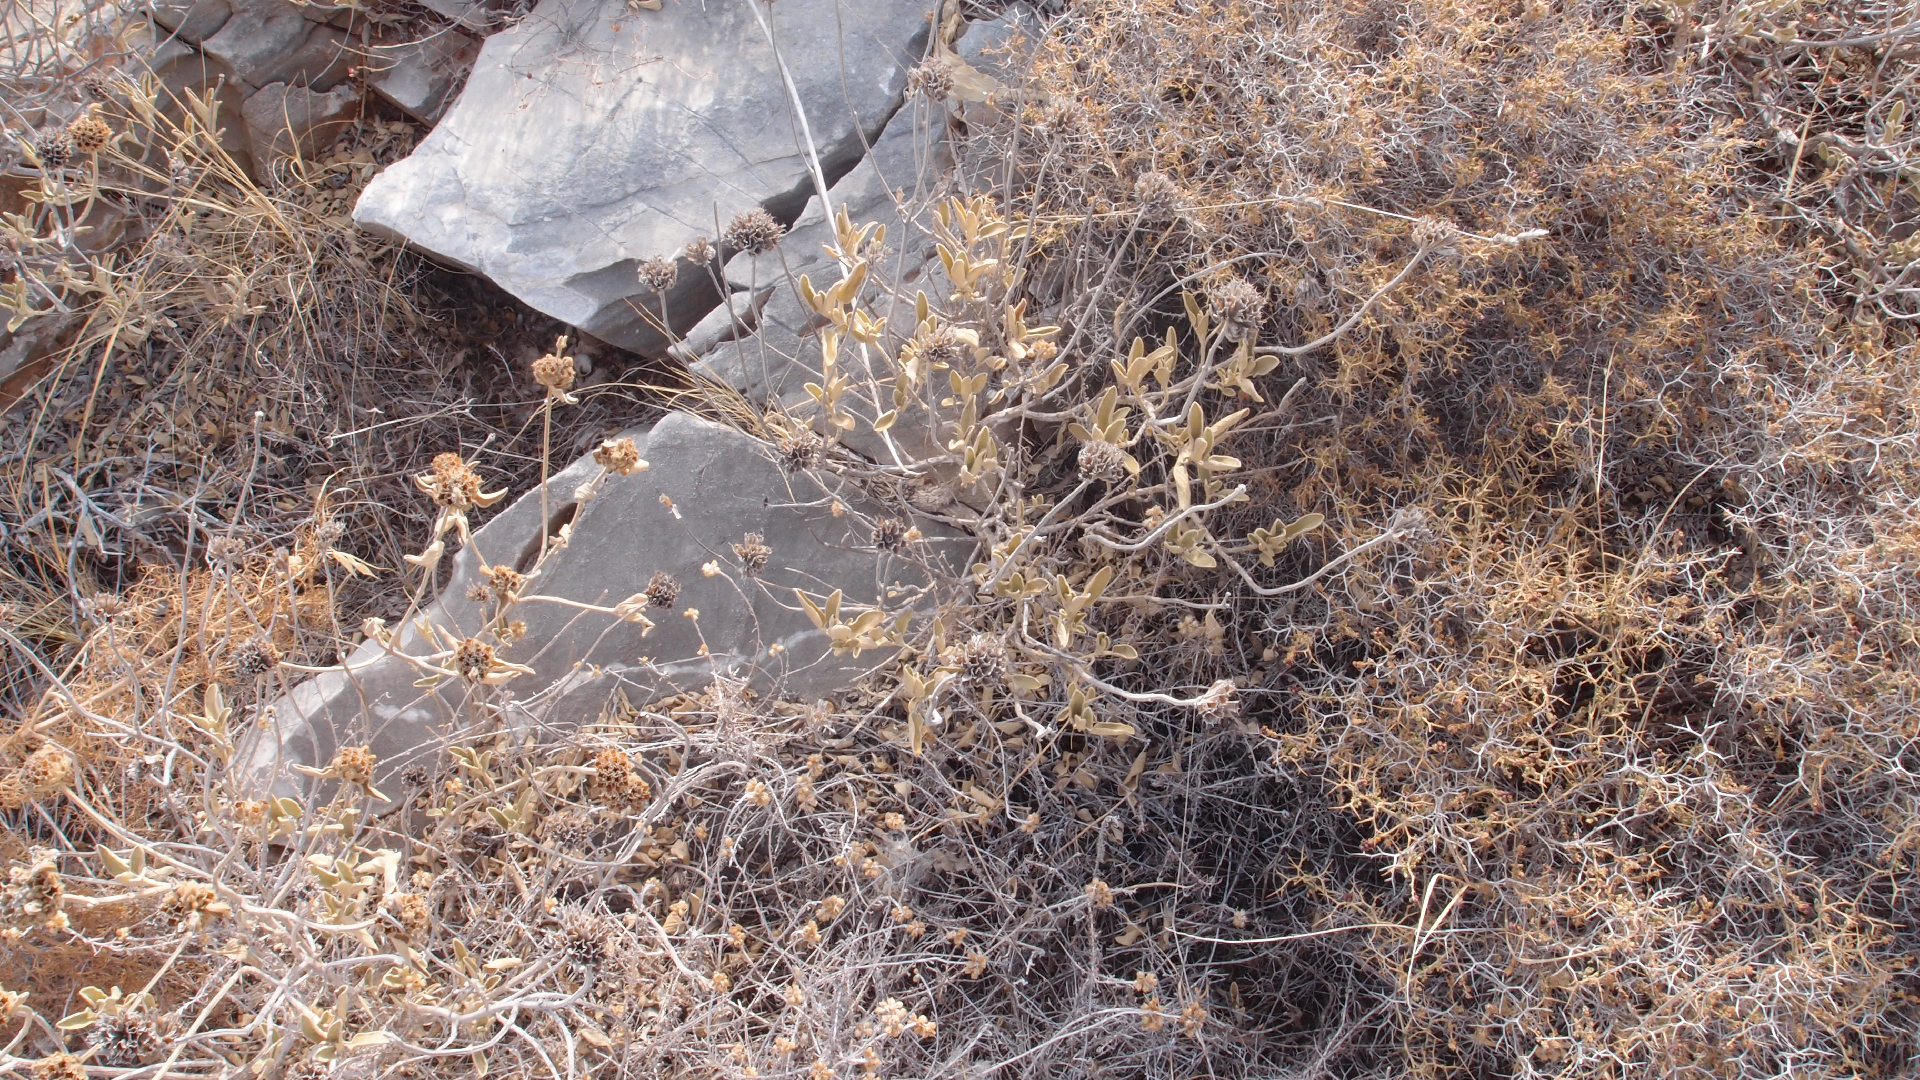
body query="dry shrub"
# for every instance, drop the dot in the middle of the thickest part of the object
(1624, 731)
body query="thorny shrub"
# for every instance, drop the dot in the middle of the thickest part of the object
(1442, 605)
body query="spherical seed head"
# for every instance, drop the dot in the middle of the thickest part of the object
(932, 80)
(256, 656)
(662, 590)
(451, 483)
(1103, 461)
(97, 85)
(657, 274)
(189, 901)
(473, 659)
(90, 134)
(1158, 196)
(700, 251)
(1432, 232)
(33, 897)
(46, 769)
(619, 456)
(940, 345)
(505, 582)
(1237, 305)
(753, 554)
(354, 764)
(800, 450)
(752, 231)
(586, 938)
(555, 372)
(568, 830)
(123, 1039)
(890, 534)
(55, 148)
(983, 662)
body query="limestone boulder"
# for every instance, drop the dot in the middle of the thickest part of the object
(270, 41)
(423, 77)
(282, 118)
(707, 487)
(592, 136)
(764, 341)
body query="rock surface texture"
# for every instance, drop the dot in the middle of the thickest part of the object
(707, 487)
(592, 136)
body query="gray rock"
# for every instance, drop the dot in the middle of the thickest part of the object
(36, 339)
(765, 341)
(590, 137)
(719, 485)
(992, 46)
(179, 69)
(282, 118)
(423, 77)
(192, 21)
(270, 41)
(474, 15)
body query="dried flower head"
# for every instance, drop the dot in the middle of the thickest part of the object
(658, 273)
(474, 660)
(555, 371)
(569, 830)
(1159, 198)
(98, 85)
(753, 231)
(892, 1016)
(454, 485)
(354, 764)
(890, 534)
(193, 904)
(932, 80)
(1433, 232)
(504, 583)
(616, 783)
(982, 662)
(55, 148)
(104, 608)
(1099, 894)
(123, 1039)
(941, 346)
(800, 449)
(585, 938)
(89, 134)
(47, 769)
(255, 656)
(753, 553)
(619, 456)
(1102, 461)
(33, 897)
(700, 251)
(1237, 306)
(662, 590)
(1193, 1019)
(415, 917)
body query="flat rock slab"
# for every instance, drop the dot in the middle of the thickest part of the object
(707, 487)
(590, 137)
